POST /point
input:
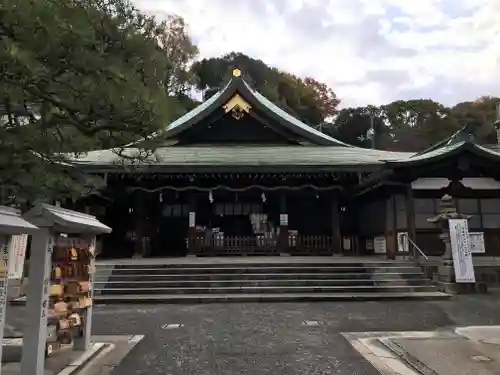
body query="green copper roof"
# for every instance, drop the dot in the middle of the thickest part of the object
(290, 119)
(449, 149)
(237, 85)
(245, 156)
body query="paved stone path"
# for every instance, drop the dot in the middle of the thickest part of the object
(258, 338)
(224, 339)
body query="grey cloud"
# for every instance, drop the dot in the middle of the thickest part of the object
(365, 36)
(372, 44)
(390, 78)
(450, 92)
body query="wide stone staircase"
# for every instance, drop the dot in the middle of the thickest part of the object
(234, 280)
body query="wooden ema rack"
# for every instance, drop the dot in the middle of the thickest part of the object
(70, 287)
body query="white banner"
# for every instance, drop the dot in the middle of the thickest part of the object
(477, 243)
(283, 219)
(379, 245)
(460, 247)
(403, 245)
(192, 219)
(17, 254)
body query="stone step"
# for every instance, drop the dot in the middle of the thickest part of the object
(265, 270)
(252, 276)
(319, 279)
(256, 264)
(263, 297)
(269, 289)
(253, 283)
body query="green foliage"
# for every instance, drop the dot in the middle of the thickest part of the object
(78, 75)
(413, 125)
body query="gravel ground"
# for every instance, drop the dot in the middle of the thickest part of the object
(270, 338)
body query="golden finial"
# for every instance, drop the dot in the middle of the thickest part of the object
(236, 72)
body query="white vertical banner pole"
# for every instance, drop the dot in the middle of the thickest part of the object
(35, 331)
(4, 278)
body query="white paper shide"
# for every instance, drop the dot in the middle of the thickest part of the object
(17, 254)
(461, 250)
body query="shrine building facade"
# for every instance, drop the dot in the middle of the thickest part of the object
(237, 175)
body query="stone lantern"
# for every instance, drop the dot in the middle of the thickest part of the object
(445, 271)
(447, 211)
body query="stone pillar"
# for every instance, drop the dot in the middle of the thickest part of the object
(446, 272)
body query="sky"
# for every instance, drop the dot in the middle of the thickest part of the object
(367, 51)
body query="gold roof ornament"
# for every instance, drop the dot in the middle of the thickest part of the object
(237, 106)
(236, 72)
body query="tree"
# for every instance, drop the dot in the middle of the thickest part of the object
(308, 100)
(418, 124)
(180, 52)
(326, 98)
(76, 75)
(354, 126)
(480, 115)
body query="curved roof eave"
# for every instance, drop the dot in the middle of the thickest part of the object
(238, 84)
(444, 152)
(288, 120)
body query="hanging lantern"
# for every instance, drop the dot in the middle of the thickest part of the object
(263, 196)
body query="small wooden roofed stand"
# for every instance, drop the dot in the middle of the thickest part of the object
(52, 221)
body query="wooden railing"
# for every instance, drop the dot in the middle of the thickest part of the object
(310, 245)
(259, 245)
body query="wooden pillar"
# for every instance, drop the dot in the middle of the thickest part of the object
(336, 235)
(410, 215)
(390, 226)
(141, 239)
(283, 236)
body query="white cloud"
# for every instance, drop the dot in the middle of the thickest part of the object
(368, 51)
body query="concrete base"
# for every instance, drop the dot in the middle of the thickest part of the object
(61, 362)
(486, 269)
(101, 358)
(467, 350)
(442, 274)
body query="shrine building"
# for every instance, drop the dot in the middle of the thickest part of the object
(237, 175)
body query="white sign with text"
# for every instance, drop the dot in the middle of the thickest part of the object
(380, 245)
(461, 250)
(403, 245)
(477, 243)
